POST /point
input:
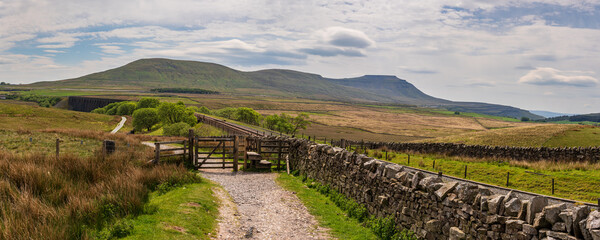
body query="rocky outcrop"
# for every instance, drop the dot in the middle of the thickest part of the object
(437, 209)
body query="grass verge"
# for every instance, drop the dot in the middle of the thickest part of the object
(327, 213)
(187, 212)
(346, 218)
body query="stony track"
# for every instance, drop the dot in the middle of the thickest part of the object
(255, 207)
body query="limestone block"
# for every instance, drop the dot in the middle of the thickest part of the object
(530, 230)
(445, 189)
(536, 205)
(595, 234)
(567, 217)
(540, 221)
(457, 234)
(523, 211)
(579, 213)
(428, 181)
(559, 227)
(416, 179)
(512, 207)
(467, 192)
(514, 226)
(551, 212)
(593, 220)
(433, 226)
(494, 204)
(392, 169)
(557, 235)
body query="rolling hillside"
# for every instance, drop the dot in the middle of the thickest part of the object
(146, 74)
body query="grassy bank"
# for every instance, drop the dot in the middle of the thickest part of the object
(327, 213)
(187, 212)
(42, 197)
(577, 181)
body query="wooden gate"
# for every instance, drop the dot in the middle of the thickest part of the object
(273, 150)
(218, 152)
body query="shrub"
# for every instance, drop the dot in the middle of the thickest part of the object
(147, 102)
(247, 115)
(126, 108)
(171, 113)
(176, 129)
(204, 110)
(227, 112)
(99, 111)
(145, 118)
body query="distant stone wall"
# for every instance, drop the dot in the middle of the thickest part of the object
(87, 104)
(589, 154)
(438, 209)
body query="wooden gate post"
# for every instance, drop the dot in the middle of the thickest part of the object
(191, 147)
(278, 155)
(195, 157)
(235, 153)
(223, 152)
(247, 145)
(156, 152)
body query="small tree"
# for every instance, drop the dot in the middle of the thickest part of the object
(227, 112)
(204, 110)
(145, 118)
(126, 108)
(99, 111)
(248, 115)
(524, 119)
(147, 102)
(299, 122)
(170, 113)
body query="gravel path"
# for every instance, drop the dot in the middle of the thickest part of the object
(258, 208)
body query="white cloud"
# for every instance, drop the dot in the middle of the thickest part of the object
(551, 76)
(345, 37)
(111, 49)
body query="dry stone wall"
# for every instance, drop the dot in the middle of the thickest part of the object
(438, 209)
(590, 154)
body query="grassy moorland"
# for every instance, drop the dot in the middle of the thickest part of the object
(75, 197)
(82, 195)
(578, 181)
(18, 115)
(536, 135)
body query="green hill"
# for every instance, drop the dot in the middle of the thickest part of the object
(146, 74)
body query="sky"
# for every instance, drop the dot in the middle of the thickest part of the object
(535, 55)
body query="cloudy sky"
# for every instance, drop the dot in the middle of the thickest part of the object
(536, 55)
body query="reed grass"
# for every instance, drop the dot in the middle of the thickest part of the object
(42, 197)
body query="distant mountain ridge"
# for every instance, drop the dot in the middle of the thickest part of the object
(145, 74)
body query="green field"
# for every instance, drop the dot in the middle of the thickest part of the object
(578, 181)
